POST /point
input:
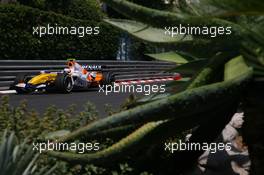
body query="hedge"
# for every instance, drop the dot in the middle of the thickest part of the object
(81, 9)
(18, 42)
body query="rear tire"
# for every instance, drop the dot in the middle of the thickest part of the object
(63, 83)
(108, 78)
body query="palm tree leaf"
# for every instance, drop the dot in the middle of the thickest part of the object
(161, 19)
(145, 32)
(190, 68)
(252, 7)
(169, 56)
(16, 159)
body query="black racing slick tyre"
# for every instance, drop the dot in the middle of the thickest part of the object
(63, 83)
(108, 78)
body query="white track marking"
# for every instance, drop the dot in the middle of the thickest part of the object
(8, 92)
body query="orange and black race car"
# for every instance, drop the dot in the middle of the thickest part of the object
(75, 76)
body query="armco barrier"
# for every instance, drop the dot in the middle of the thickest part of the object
(122, 70)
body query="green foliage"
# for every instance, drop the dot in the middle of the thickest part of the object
(17, 159)
(117, 150)
(124, 169)
(18, 42)
(34, 127)
(109, 109)
(156, 4)
(191, 68)
(202, 71)
(246, 29)
(29, 124)
(185, 107)
(251, 8)
(212, 71)
(33, 3)
(90, 169)
(79, 9)
(247, 22)
(145, 32)
(57, 6)
(170, 57)
(161, 18)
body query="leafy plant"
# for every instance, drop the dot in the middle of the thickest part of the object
(18, 159)
(29, 124)
(19, 42)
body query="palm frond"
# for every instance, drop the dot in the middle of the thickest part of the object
(161, 19)
(145, 32)
(170, 56)
(18, 159)
(252, 7)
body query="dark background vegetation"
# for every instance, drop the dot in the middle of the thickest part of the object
(17, 41)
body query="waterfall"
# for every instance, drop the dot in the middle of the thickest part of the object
(124, 52)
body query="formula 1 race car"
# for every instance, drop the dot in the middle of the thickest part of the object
(74, 76)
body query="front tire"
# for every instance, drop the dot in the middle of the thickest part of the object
(63, 83)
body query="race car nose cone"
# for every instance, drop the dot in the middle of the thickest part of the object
(21, 85)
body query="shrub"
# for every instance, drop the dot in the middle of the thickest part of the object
(34, 127)
(80, 9)
(29, 124)
(19, 158)
(18, 42)
(33, 3)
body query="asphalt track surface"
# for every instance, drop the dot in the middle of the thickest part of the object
(41, 101)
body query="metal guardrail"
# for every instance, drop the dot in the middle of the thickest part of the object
(121, 69)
